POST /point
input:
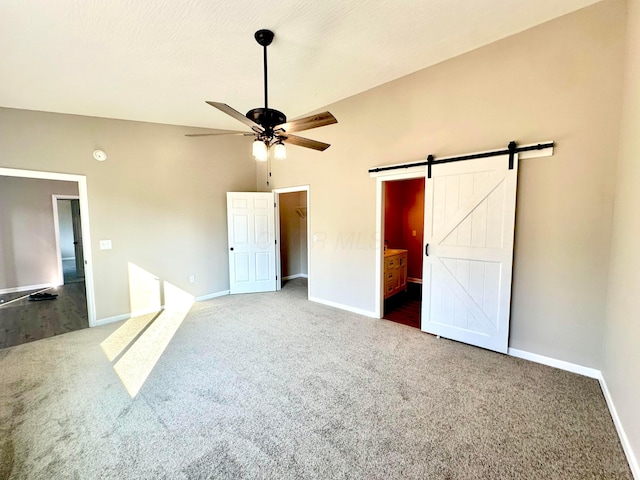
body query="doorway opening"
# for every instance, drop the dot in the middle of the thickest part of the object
(68, 230)
(403, 237)
(39, 268)
(292, 236)
(35, 300)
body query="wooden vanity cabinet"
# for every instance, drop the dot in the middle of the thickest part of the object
(395, 272)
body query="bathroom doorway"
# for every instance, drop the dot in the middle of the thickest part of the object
(403, 240)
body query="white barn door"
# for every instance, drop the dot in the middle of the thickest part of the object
(469, 228)
(252, 249)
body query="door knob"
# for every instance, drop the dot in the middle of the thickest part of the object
(231, 249)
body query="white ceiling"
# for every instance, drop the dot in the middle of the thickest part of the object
(159, 60)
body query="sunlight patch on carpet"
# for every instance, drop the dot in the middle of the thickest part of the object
(143, 339)
(119, 340)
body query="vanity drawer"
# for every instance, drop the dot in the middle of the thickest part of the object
(389, 287)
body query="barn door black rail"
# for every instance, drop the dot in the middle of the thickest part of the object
(511, 150)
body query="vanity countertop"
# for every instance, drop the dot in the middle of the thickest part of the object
(393, 251)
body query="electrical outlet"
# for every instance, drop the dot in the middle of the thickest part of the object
(105, 245)
(192, 279)
(414, 233)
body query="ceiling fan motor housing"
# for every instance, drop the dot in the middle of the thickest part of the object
(267, 117)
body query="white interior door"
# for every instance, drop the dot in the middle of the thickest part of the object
(252, 243)
(469, 227)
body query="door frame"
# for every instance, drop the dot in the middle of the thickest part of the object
(277, 192)
(56, 225)
(81, 180)
(407, 174)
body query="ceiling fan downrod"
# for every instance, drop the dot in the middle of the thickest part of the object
(264, 38)
(266, 117)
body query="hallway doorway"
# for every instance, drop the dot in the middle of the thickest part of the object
(36, 300)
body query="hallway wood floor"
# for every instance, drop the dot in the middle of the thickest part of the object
(23, 321)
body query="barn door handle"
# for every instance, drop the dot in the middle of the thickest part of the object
(426, 249)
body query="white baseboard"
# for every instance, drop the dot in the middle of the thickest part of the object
(212, 295)
(127, 316)
(297, 275)
(68, 258)
(341, 306)
(137, 313)
(116, 318)
(414, 280)
(26, 288)
(553, 362)
(622, 434)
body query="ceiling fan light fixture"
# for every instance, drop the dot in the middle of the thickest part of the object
(269, 126)
(259, 150)
(280, 151)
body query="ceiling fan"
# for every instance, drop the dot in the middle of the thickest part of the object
(270, 127)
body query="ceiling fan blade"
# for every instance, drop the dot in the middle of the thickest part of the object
(246, 134)
(306, 123)
(223, 107)
(304, 142)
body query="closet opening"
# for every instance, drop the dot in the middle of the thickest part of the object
(292, 238)
(403, 232)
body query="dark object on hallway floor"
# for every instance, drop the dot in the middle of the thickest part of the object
(36, 297)
(405, 307)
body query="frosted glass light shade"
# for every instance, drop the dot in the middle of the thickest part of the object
(260, 151)
(280, 151)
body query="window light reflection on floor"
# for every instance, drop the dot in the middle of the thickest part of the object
(143, 339)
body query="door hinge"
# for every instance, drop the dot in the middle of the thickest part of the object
(276, 241)
(274, 204)
(276, 277)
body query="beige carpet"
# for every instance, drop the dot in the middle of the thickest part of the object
(271, 386)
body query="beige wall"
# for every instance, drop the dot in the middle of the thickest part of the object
(622, 334)
(559, 81)
(160, 196)
(28, 253)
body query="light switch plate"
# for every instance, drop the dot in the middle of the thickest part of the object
(105, 244)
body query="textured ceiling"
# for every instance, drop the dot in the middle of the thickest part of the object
(159, 60)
